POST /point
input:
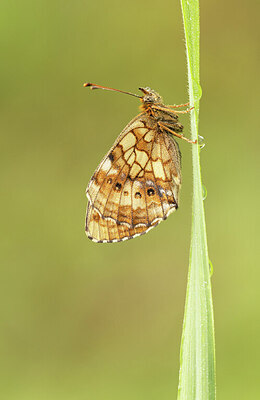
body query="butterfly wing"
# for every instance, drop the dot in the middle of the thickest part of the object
(136, 185)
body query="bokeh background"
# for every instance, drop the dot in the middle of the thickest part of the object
(86, 321)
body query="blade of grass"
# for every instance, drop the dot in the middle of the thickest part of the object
(197, 359)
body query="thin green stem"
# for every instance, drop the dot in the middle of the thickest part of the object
(197, 360)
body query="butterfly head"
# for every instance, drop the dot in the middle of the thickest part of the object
(150, 96)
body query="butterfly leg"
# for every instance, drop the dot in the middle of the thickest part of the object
(176, 134)
(185, 111)
(156, 107)
(180, 105)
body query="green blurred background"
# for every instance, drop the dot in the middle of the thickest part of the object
(86, 321)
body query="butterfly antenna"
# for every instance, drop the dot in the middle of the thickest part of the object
(94, 86)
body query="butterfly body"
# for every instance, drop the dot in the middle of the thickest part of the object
(137, 184)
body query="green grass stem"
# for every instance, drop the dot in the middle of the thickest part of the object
(197, 359)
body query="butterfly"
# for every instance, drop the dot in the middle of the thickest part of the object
(137, 184)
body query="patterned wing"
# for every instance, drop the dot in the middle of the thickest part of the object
(136, 186)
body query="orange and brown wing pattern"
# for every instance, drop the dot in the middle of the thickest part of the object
(136, 186)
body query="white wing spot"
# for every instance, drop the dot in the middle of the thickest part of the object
(128, 141)
(134, 170)
(137, 124)
(141, 131)
(131, 159)
(149, 136)
(141, 157)
(158, 169)
(106, 166)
